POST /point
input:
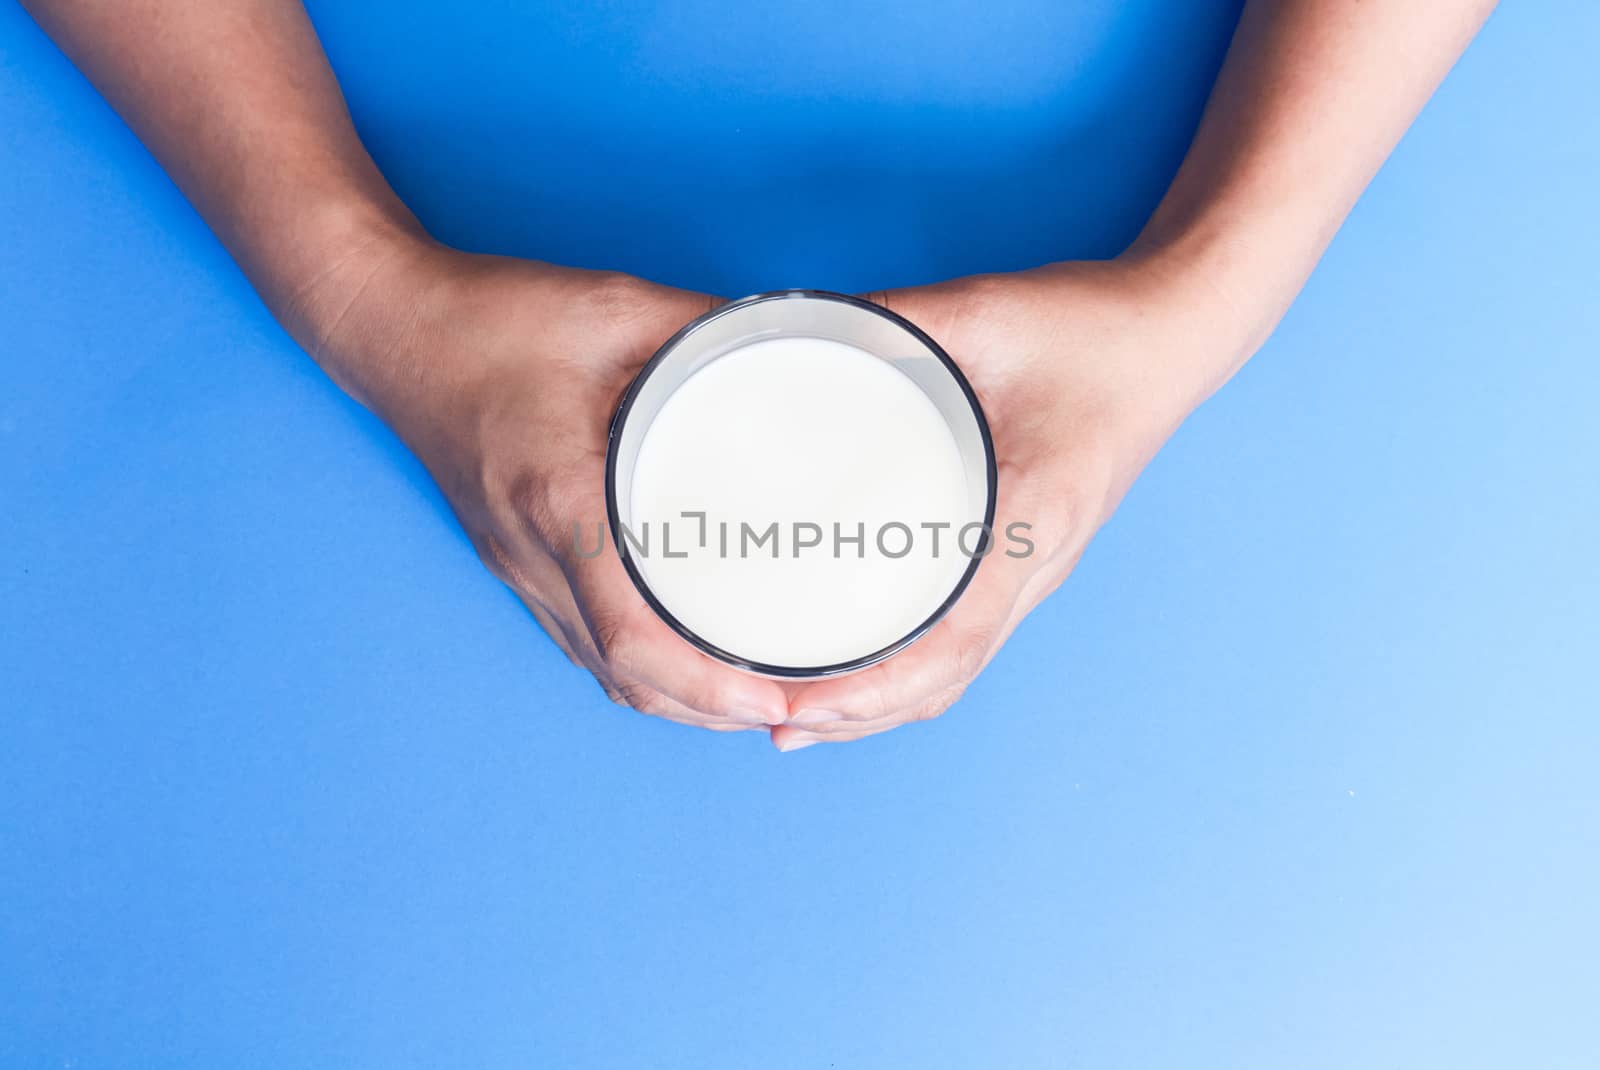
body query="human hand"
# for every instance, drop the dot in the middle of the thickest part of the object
(502, 376)
(1084, 370)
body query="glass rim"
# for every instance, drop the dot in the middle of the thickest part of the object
(705, 646)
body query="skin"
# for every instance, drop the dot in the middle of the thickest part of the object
(501, 373)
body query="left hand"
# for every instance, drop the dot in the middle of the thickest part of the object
(1084, 370)
(501, 375)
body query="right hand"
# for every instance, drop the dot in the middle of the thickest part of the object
(502, 375)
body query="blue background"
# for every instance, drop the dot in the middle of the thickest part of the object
(1299, 769)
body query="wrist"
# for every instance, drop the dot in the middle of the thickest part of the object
(334, 253)
(1249, 262)
(1222, 292)
(1219, 275)
(358, 282)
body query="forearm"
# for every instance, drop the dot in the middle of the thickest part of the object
(236, 100)
(1313, 97)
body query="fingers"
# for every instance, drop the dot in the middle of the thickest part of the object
(936, 667)
(555, 629)
(537, 580)
(628, 693)
(788, 738)
(636, 645)
(558, 615)
(590, 608)
(652, 703)
(791, 736)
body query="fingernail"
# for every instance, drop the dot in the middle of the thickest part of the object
(813, 718)
(792, 744)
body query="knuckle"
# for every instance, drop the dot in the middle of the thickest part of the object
(987, 292)
(559, 636)
(611, 690)
(972, 652)
(1057, 512)
(496, 557)
(936, 705)
(616, 295)
(701, 700)
(1081, 502)
(709, 694)
(869, 699)
(537, 505)
(878, 705)
(989, 298)
(566, 648)
(617, 637)
(639, 697)
(1059, 515)
(501, 561)
(608, 632)
(552, 507)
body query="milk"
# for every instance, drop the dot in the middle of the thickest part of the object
(800, 431)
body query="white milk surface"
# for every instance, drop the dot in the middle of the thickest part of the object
(800, 430)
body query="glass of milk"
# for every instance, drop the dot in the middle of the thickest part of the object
(800, 483)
